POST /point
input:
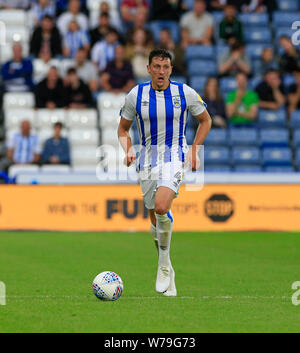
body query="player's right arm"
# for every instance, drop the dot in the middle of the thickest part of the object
(128, 113)
(125, 141)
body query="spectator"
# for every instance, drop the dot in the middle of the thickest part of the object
(99, 33)
(271, 91)
(73, 13)
(50, 93)
(176, 50)
(138, 52)
(215, 103)
(230, 28)
(17, 73)
(129, 9)
(14, 4)
(74, 39)
(234, 61)
(86, 70)
(114, 15)
(140, 22)
(242, 104)
(294, 93)
(118, 76)
(42, 65)
(78, 94)
(39, 10)
(56, 149)
(258, 6)
(199, 24)
(266, 62)
(104, 51)
(23, 147)
(46, 37)
(289, 61)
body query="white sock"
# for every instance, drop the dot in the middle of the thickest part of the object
(154, 235)
(164, 226)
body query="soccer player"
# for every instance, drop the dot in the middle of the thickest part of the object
(161, 108)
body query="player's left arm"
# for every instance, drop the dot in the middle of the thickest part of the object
(201, 133)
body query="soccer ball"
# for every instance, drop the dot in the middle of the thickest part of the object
(108, 286)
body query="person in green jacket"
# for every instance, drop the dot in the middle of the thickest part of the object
(230, 28)
(242, 104)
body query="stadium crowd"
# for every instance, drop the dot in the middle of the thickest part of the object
(109, 53)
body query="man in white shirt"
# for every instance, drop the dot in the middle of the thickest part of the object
(73, 13)
(87, 70)
(198, 24)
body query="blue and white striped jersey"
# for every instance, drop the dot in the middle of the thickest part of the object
(24, 147)
(161, 119)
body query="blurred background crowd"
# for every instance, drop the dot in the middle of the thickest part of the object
(238, 55)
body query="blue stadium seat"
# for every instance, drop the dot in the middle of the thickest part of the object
(248, 168)
(199, 52)
(198, 83)
(254, 19)
(281, 19)
(288, 5)
(190, 135)
(221, 49)
(274, 138)
(216, 155)
(227, 84)
(283, 31)
(254, 81)
(296, 138)
(202, 67)
(245, 155)
(217, 168)
(297, 158)
(254, 51)
(241, 137)
(276, 157)
(259, 35)
(189, 4)
(295, 119)
(283, 169)
(218, 16)
(177, 78)
(271, 118)
(216, 137)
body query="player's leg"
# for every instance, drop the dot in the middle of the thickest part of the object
(164, 226)
(153, 227)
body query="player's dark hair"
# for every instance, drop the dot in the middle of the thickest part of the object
(160, 53)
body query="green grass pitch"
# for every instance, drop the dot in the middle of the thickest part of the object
(226, 282)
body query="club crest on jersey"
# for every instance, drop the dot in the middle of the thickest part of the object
(176, 101)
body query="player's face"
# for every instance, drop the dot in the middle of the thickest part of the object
(160, 70)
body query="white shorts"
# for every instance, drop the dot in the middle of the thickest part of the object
(170, 175)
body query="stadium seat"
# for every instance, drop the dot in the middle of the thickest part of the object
(86, 137)
(254, 20)
(177, 78)
(271, 118)
(84, 156)
(22, 100)
(254, 81)
(216, 155)
(64, 65)
(227, 84)
(259, 35)
(245, 155)
(242, 137)
(296, 138)
(55, 168)
(216, 137)
(247, 168)
(109, 137)
(254, 51)
(276, 157)
(282, 19)
(295, 119)
(217, 16)
(283, 169)
(198, 83)
(13, 117)
(81, 118)
(202, 67)
(199, 52)
(106, 100)
(13, 17)
(283, 31)
(46, 133)
(221, 49)
(217, 168)
(288, 5)
(190, 135)
(24, 168)
(45, 118)
(109, 118)
(274, 138)
(297, 158)
(17, 34)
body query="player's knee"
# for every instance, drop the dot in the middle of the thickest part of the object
(161, 209)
